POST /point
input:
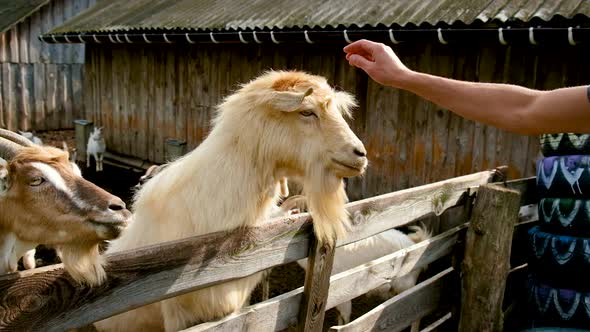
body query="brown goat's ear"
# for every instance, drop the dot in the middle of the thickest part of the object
(4, 181)
(288, 101)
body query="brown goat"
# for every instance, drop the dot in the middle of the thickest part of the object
(42, 200)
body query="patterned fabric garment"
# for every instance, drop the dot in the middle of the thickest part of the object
(564, 144)
(568, 216)
(560, 260)
(558, 306)
(564, 176)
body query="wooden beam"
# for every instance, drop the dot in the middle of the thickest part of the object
(437, 324)
(487, 258)
(161, 271)
(317, 285)
(527, 188)
(400, 311)
(414, 203)
(280, 313)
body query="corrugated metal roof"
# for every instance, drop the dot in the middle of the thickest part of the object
(13, 11)
(124, 15)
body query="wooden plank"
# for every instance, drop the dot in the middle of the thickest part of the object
(14, 44)
(197, 263)
(317, 285)
(438, 323)
(152, 105)
(280, 312)
(78, 50)
(62, 95)
(415, 203)
(144, 110)
(4, 47)
(51, 102)
(56, 18)
(26, 115)
(69, 96)
(170, 98)
(45, 26)
(67, 13)
(40, 96)
(34, 32)
(23, 31)
(183, 269)
(400, 311)
(9, 98)
(2, 105)
(159, 108)
(487, 258)
(77, 100)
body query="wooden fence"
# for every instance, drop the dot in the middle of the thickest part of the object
(40, 83)
(48, 299)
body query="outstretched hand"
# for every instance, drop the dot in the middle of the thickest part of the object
(378, 61)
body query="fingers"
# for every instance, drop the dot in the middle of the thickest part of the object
(362, 46)
(359, 61)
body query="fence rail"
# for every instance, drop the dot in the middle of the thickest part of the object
(48, 299)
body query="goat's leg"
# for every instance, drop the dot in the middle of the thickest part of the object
(26, 250)
(344, 312)
(97, 167)
(87, 160)
(101, 156)
(29, 259)
(7, 241)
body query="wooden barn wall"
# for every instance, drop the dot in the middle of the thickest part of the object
(146, 94)
(41, 83)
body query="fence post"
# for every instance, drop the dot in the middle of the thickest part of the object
(83, 130)
(174, 149)
(317, 284)
(487, 258)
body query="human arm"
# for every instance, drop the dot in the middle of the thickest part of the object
(506, 106)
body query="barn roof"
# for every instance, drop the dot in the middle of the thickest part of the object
(215, 15)
(12, 12)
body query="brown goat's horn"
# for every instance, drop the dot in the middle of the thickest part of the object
(8, 148)
(16, 138)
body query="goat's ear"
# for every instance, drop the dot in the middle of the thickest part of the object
(4, 180)
(288, 101)
(345, 102)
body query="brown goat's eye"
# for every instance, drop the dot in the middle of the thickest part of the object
(36, 181)
(307, 113)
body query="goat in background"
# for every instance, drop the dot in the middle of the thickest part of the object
(96, 147)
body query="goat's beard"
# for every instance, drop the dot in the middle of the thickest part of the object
(84, 263)
(325, 199)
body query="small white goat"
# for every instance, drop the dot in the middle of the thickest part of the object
(96, 147)
(31, 137)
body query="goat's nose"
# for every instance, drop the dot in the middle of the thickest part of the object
(360, 151)
(116, 204)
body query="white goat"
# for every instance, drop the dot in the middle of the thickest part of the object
(42, 200)
(282, 124)
(96, 147)
(31, 137)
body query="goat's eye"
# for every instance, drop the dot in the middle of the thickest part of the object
(37, 181)
(307, 113)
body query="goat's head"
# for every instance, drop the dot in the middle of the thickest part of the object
(296, 121)
(96, 134)
(44, 201)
